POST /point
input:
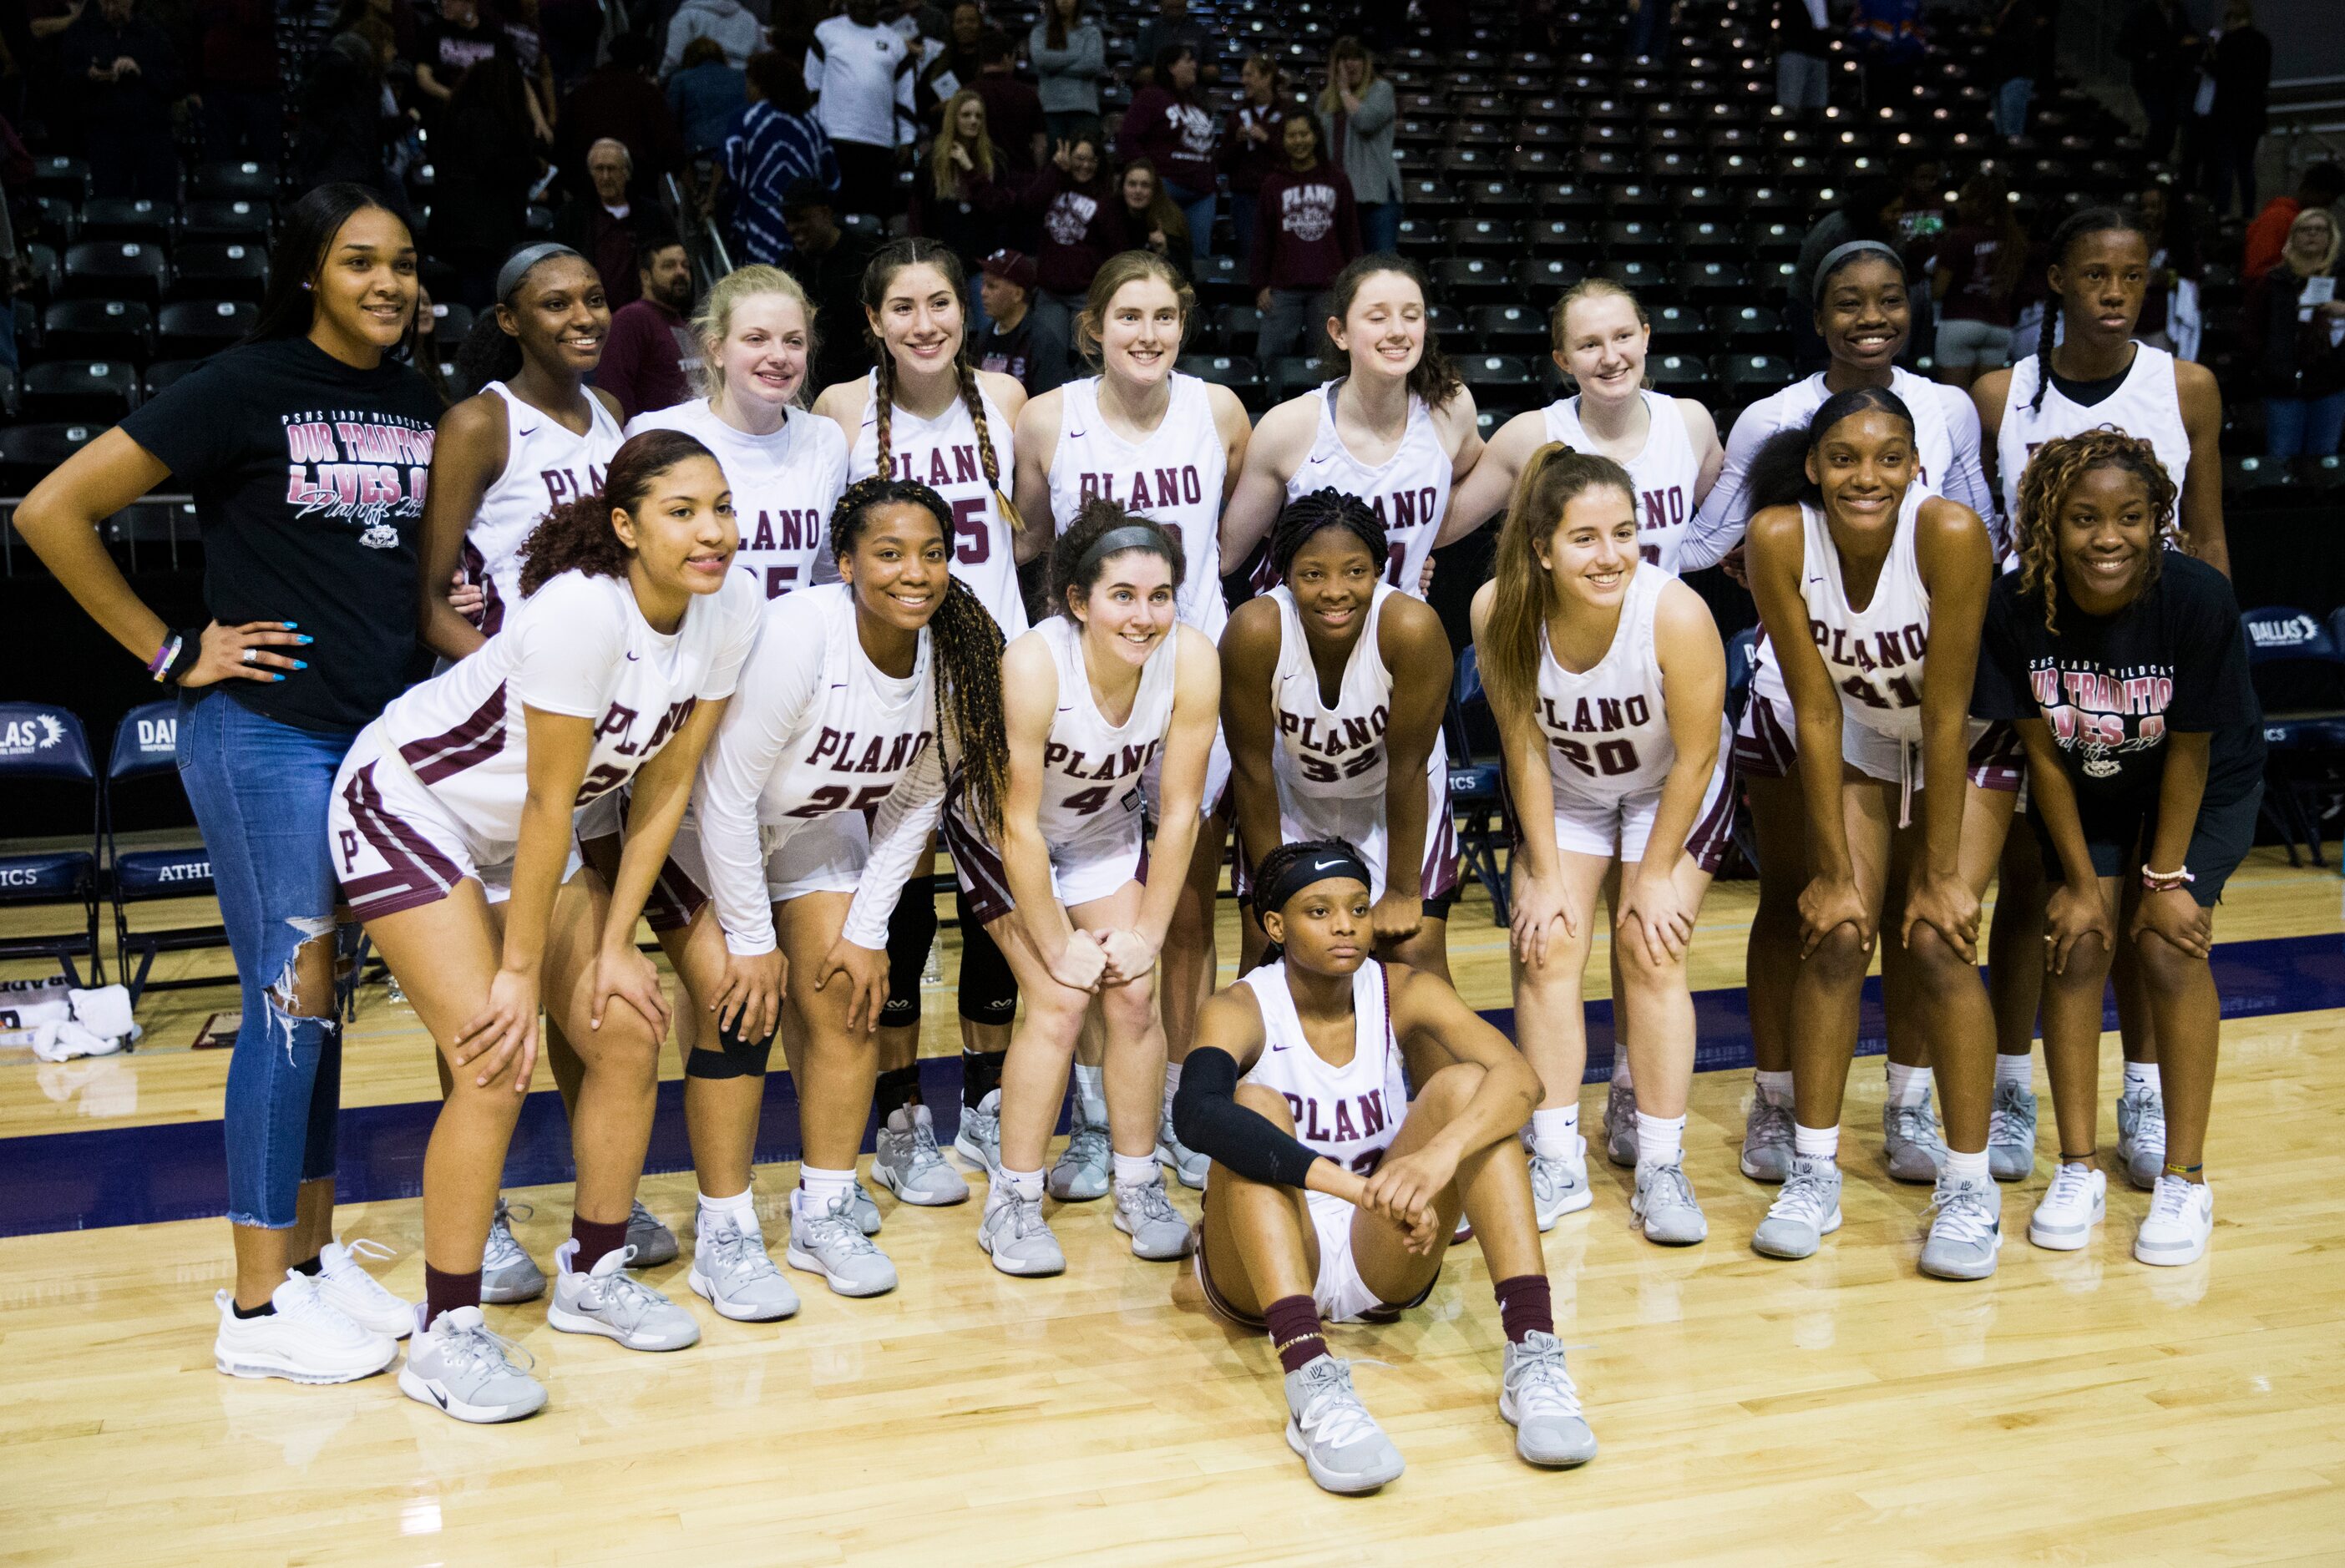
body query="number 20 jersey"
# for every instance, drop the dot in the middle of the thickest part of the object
(1607, 729)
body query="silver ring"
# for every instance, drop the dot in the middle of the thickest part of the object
(252, 655)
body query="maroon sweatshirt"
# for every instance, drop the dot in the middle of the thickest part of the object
(1179, 139)
(1082, 226)
(1307, 227)
(1245, 162)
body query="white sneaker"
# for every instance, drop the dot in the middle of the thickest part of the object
(1082, 1170)
(979, 1139)
(2141, 1136)
(828, 1242)
(1014, 1234)
(612, 1302)
(508, 1273)
(2180, 1222)
(731, 1271)
(360, 1295)
(1189, 1167)
(1339, 1442)
(910, 1165)
(2071, 1207)
(305, 1339)
(1559, 1185)
(1538, 1397)
(1145, 1213)
(458, 1366)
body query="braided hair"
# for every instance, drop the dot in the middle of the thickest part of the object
(2092, 220)
(578, 536)
(965, 640)
(1272, 870)
(888, 260)
(1073, 575)
(2051, 474)
(1300, 520)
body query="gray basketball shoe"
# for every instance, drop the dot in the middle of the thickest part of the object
(1341, 1444)
(1540, 1402)
(508, 1273)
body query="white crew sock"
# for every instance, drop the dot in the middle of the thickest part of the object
(1961, 1167)
(2019, 1069)
(1816, 1142)
(1091, 1095)
(1661, 1140)
(824, 1187)
(1027, 1184)
(1172, 1088)
(1621, 1067)
(2142, 1076)
(1134, 1170)
(1775, 1089)
(1908, 1086)
(741, 1209)
(1555, 1133)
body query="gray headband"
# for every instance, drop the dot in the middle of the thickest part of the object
(1841, 253)
(517, 266)
(1130, 536)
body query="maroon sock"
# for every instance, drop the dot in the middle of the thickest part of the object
(1294, 1325)
(596, 1241)
(446, 1293)
(1526, 1306)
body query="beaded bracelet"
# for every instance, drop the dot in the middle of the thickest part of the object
(2164, 881)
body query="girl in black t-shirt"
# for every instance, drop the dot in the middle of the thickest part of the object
(307, 448)
(2125, 668)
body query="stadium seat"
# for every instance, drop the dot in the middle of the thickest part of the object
(236, 221)
(1467, 280)
(1679, 328)
(1745, 379)
(99, 390)
(1476, 791)
(1482, 236)
(1508, 376)
(218, 269)
(96, 330)
(125, 218)
(1546, 278)
(115, 270)
(29, 451)
(1238, 372)
(2298, 669)
(1679, 376)
(1713, 282)
(190, 329)
(144, 748)
(162, 373)
(58, 175)
(42, 744)
(254, 182)
(1509, 328)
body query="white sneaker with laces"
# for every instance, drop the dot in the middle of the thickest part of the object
(1804, 1212)
(910, 1165)
(1144, 1212)
(360, 1295)
(1967, 1233)
(2071, 1207)
(654, 1243)
(508, 1273)
(305, 1338)
(828, 1242)
(1911, 1142)
(1560, 1184)
(2010, 1133)
(612, 1302)
(1664, 1204)
(458, 1366)
(1767, 1140)
(1540, 1402)
(1082, 1170)
(1189, 1167)
(1340, 1443)
(979, 1141)
(2141, 1136)
(731, 1271)
(2180, 1222)
(1014, 1234)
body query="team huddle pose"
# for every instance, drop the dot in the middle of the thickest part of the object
(736, 668)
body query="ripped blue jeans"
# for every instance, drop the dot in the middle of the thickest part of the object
(259, 790)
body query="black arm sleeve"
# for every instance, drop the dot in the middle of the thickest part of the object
(1208, 1119)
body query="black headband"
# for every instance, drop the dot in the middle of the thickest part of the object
(1114, 542)
(1304, 870)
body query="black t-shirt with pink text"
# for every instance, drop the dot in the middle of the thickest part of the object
(2112, 687)
(308, 477)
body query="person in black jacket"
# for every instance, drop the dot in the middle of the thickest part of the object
(2294, 319)
(2157, 41)
(128, 77)
(2240, 65)
(1802, 76)
(487, 163)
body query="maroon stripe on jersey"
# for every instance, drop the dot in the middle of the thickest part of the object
(1998, 760)
(1440, 874)
(474, 741)
(1768, 752)
(674, 899)
(492, 613)
(1706, 845)
(976, 863)
(418, 873)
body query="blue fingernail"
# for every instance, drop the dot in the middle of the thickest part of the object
(300, 664)
(306, 638)
(291, 624)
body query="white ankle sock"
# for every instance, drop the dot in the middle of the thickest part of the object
(1661, 1140)
(1134, 1170)
(1775, 1089)
(741, 1209)
(1621, 1067)
(1555, 1133)
(2020, 1071)
(1816, 1142)
(1172, 1088)
(1025, 1184)
(1091, 1095)
(1908, 1086)
(1961, 1167)
(2141, 1076)
(823, 1187)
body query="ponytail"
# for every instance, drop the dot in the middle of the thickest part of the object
(1508, 652)
(578, 535)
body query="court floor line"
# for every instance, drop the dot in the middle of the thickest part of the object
(89, 1179)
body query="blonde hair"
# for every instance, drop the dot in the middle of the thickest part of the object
(714, 324)
(1507, 652)
(1347, 47)
(942, 174)
(1590, 289)
(2327, 259)
(1128, 266)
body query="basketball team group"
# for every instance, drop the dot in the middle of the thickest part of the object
(740, 667)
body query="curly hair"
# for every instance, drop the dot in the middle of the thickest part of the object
(967, 643)
(1508, 652)
(1073, 572)
(2078, 225)
(888, 260)
(1434, 377)
(1302, 519)
(2053, 475)
(577, 535)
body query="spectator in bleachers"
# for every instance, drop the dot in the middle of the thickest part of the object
(647, 357)
(1070, 57)
(1251, 147)
(919, 19)
(736, 30)
(706, 95)
(961, 196)
(828, 263)
(1976, 282)
(243, 117)
(488, 159)
(348, 115)
(2240, 66)
(1306, 231)
(1019, 341)
(1170, 126)
(573, 30)
(2158, 43)
(1871, 208)
(2026, 41)
(2169, 311)
(1151, 220)
(1075, 202)
(859, 72)
(776, 145)
(619, 102)
(1803, 56)
(1890, 43)
(2295, 328)
(1012, 109)
(2322, 185)
(448, 45)
(964, 41)
(608, 228)
(1648, 28)
(399, 15)
(1357, 110)
(1174, 25)
(129, 76)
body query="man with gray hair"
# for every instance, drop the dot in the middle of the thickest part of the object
(610, 227)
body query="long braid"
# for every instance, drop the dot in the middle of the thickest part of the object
(968, 644)
(883, 395)
(2044, 337)
(973, 399)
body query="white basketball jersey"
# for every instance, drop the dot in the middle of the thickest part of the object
(942, 453)
(864, 730)
(1608, 732)
(580, 647)
(545, 466)
(1873, 654)
(1348, 1114)
(784, 487)
(1174, 478)
(1091, 768)
(2145, 406)
(1338, 751)
(1665, 472)
(1408, 491)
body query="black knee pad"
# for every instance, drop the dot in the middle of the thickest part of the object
(988, 991)
(911, 932)
(734, 1058)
